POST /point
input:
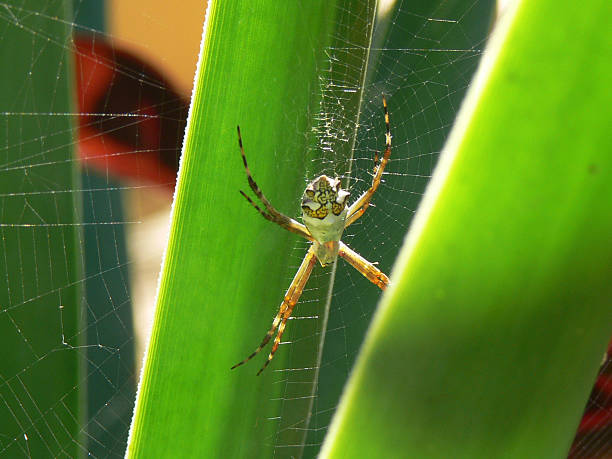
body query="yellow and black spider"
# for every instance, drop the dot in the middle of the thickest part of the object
(325, 217)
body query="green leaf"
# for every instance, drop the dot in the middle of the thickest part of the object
(488, 342)
(226, 267)
(40, 265)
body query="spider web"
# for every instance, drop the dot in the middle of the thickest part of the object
(422, 58)
(40, 385)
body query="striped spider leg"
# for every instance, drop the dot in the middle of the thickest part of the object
(325, 216)
(360, 206)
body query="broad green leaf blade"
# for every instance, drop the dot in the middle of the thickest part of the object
(40, 257)
(489, 341)
(226, 268)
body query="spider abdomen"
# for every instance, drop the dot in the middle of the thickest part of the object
(324, 214)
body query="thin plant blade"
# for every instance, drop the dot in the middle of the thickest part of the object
(226, 267)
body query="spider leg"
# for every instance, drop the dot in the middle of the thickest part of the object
(361, 205)
(277, 339)
(270, 213)
(286, 308)
(371, 272)
(267, 216)
(266, 338)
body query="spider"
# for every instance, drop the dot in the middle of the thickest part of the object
(325, 216)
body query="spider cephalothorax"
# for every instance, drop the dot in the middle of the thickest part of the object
(325, 216)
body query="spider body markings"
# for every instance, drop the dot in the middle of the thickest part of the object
(325, 216)
(324, 213)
